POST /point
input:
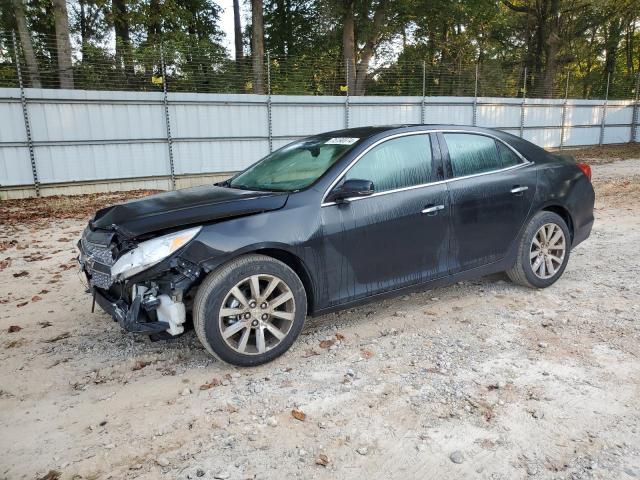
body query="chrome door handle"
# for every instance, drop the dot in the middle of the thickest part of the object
(433, 209)
(519, 189)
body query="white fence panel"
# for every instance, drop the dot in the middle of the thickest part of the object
(91, 136)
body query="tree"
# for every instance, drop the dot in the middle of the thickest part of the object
(63, 44)
(27, 45)
(121, 27)
(237, 31)
(257, 45)
(357, 58)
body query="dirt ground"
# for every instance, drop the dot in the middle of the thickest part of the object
(483, 379)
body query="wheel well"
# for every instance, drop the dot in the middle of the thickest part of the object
(564, 213)
(295, 264)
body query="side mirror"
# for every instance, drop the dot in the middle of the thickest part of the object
(349, 189)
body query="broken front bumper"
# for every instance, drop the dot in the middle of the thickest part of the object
(128, 316)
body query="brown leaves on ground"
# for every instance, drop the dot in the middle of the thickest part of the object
(366, 353)
(298, 414)
(61, 207)
(22, 304)
(322, 460)
(14, 328)
(605, 154)
(213, 383)
(139, 365)
(326, 343)
(36, 298)
(340, 336)
(51, 475)
(6, 263)
(23, 273)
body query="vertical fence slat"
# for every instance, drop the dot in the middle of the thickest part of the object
(604, 111)
(475, 100)
(424, 91)
(564, 113)
(524, 101)
(25, 116)
(269, 112)
(167, 119)
(636, 112)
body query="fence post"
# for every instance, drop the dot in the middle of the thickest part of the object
(167, 119)
(604, 111)
(564, 112)
(636, 112)
(424, 91)
(475, 99)
(269, 118)
(25, 115)
(346, 102)
(522, 106)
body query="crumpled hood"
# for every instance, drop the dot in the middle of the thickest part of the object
(189, 206)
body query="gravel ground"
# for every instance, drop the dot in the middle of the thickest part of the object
(483, 379)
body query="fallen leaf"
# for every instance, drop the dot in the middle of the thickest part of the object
(339, 336)
(326, 343)
(51, 475)
(213, 383)
(14, 328)
(23, 273)
(36, 298)
(366, 354)
(231, 408)
(45, 324)
(5, 263)
(63, 239)
(139, 365)
(299, 415)
(62, 336)
(22, 304)
(43, 292)
(322, 460)
(310, 353)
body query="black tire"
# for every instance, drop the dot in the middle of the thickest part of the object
(522, 271)
(218, 284)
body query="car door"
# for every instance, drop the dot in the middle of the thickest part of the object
(396, 237)
(491, 189)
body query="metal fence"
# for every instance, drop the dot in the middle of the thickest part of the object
(155, 124)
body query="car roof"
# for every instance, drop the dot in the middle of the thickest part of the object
(525, 147)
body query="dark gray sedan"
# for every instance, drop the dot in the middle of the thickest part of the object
(331, 221)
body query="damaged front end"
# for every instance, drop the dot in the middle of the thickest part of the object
(143, 285)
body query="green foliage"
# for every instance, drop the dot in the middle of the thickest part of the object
(433, 47)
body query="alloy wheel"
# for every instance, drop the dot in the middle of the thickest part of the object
(257, 314)
(547, 250)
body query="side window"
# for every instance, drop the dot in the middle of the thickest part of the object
(471, 154)
(397, 163)
(507, 156)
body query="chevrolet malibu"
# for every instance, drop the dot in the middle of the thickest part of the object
(332, 221)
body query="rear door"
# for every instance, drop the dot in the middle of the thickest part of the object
(491, 189)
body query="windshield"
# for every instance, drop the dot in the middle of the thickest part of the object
(294, 166)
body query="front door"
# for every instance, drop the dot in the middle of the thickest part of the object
(491, 189)
(399, 235)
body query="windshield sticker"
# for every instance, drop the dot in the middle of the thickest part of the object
(341, 141)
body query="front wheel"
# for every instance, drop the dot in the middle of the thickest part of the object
(543, 252)
(250, 311)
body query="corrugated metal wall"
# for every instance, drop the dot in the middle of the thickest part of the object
(89, 136)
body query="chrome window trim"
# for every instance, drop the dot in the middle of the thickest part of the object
(524, 163)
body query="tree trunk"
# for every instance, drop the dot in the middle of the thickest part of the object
(27, 46)
(123, 36)
(552, 47)
(612, 40)
(257, 45)
(349, 46)
(368, 50)
(237, 30)
(63, 44)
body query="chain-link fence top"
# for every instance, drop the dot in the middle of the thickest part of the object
(202, 66)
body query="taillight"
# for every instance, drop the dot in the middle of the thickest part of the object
(586, 169)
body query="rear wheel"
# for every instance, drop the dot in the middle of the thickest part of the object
(250, 311)
(543, 252)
